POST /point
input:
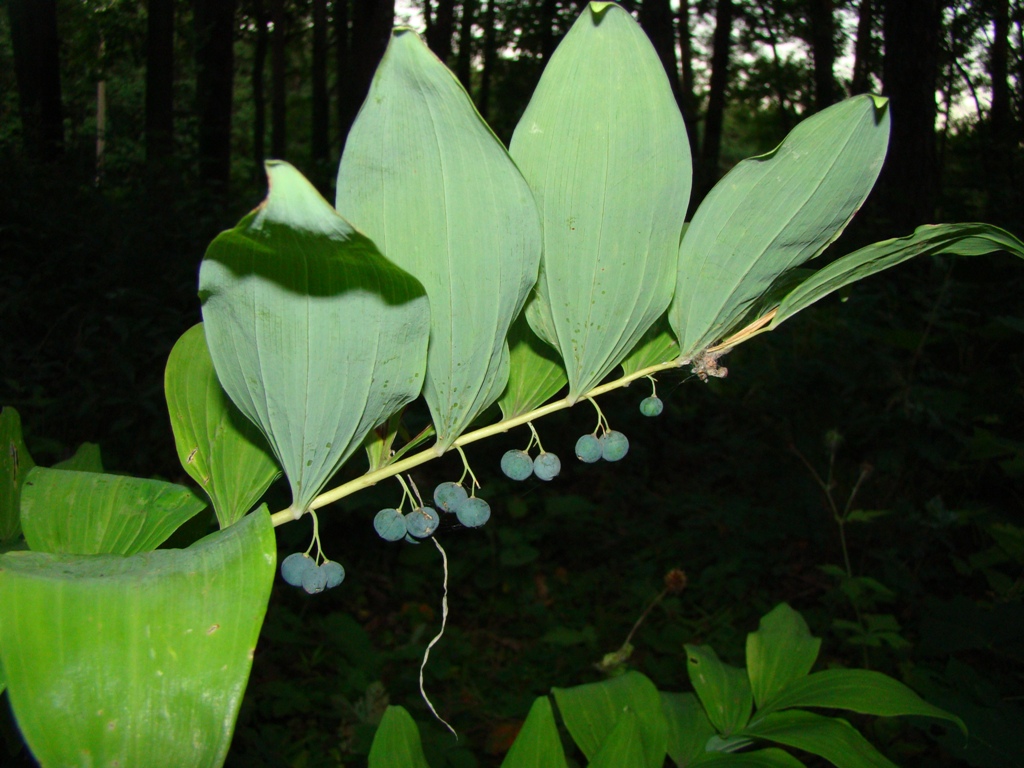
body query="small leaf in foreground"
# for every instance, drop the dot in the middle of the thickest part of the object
(91, 513)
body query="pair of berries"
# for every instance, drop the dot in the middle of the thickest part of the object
(301, 570)
(611, 446)
(517, 465)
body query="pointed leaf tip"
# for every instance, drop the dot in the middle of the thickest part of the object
(781, 651)
(397, 741)
(293, 200)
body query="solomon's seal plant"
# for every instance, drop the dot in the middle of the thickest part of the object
(451, 269)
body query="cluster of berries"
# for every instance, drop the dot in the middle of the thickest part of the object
(301, 570)
(422, 522)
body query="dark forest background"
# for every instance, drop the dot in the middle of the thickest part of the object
(132, 132)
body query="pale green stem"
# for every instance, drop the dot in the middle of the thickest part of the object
(406, 494)
(467, 470)
(315, 539)
(372, 478)
(534, 439)
(602, 422)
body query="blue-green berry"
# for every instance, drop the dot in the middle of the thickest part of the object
(314, 581)
(547, 466)
(448, 496)
(651, 406)
(517, 465)
(474, 512)
(295, 566)
(335, 573)
(614, 446)
(588, 449)
(422, 522)
(389, 525)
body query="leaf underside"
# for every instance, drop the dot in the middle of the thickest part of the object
(424, 176)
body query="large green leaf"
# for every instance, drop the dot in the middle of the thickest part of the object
(604, 148)
(221, 449)
(15, 464)
(535, 372)
(315, 336)
(771, 213)
(780, 651)
(931, 239)
(423, 176)
(90, 513)
(139, 660)
(688, 727)
(723, 690)
(624, 746)
(831, 738)
(397, 742)
(858, 690)
(592, 711)
(538, 744)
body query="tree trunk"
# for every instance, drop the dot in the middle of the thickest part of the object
(215, 36)
(823, 48)
(863, 50)
(547, 32)
(37, 72)
(278, 86)
(320, 138)
(372, 21)
(464, 60)
(712, 144)
(159, 81)
(689, 104)
(490, 55)
(259, 97)
(101, 131)
(910, 70)
(440, 27)
(656, 19)
(1004, 197)
(342, 63)
(998, 68)
(1018, 98)
(769, 21)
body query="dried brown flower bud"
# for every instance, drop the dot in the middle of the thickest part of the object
(675, 580)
